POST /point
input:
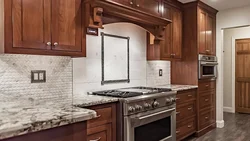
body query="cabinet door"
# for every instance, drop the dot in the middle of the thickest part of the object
(125, 2)
(166, 45)
(100, 133)
(177, 33)
(149, 6)
(31, 23)
(67, 25)
(202, 31)
(210, 35)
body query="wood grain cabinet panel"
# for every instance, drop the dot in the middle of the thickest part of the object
(125, 2)
(44, 27)
(66, 25)
(170, 48)
(185, 128)
(185, 111)
(31, 24)
(149, 6)
(206, 32)
(100, 133)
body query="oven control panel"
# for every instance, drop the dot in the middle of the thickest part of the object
(141, 106)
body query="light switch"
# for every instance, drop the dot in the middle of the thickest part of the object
(38, 76)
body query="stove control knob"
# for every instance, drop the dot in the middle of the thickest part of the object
(156, 104)
(147, 106)
(131, 109)
(138, 107)
(168, 101)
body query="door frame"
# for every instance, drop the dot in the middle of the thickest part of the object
(234, 72)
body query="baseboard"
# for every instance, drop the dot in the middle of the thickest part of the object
(228, 109)
(220, 123)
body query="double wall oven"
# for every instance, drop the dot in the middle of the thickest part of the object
(207, 66)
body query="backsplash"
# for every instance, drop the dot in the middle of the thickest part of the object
(15, 78)
(87, 71)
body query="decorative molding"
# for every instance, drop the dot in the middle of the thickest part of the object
(220, 123)
(228, 110)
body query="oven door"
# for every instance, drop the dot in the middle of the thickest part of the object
(207, 70)
(159, 125)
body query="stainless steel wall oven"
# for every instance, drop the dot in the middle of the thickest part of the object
(207, 66)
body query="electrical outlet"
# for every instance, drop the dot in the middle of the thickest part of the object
(38, 76)
(160, 72)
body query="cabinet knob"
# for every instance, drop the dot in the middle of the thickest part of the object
(131, 3)
(138, 5)
(207, 50)
(49, 43)
(55, 44)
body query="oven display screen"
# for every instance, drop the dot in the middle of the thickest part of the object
(208, 70)
(154, 131)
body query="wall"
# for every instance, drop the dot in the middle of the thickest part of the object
(15, 74)
(226, 19)
(229, 34)
(87, 71)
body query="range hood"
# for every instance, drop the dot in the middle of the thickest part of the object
(101, 12)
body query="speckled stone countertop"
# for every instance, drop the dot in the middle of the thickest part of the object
(92, 100)
(174, 87)
(16, 119)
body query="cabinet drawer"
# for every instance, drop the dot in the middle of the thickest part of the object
(185, 96)
(206, 101)
(185, 111)
(99, 133)
(206, 118)
(206, 85)
(104, 117)
(185, 128)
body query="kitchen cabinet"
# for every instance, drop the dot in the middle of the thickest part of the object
(73, 132)
(46, 27)
(206, 106)
(170, 48)
(186, 112)
(102, 128)
(148, 6)
(206, 32)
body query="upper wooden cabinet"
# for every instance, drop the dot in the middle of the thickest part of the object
(206, 32)
(149, 6)
(46, 27)
(170, 48)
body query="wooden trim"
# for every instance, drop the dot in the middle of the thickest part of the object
(205, 130)
(2, 26)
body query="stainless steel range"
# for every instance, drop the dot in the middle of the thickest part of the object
(148, 114)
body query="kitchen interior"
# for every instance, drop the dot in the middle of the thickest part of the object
(124, 70)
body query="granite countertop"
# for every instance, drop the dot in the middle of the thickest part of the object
(175, 87)
(86, 100)
(16, 119)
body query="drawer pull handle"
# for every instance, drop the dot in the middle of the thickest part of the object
(98, 116)
(189, 95)
(96, 139)
(206, 117)
(190, 108)
(177, 113)
(177, 132)
(206, 100)
(207, 85)
(177, 98)
(189, 126)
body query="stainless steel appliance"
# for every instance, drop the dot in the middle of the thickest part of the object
(207, 66)
(148, 114)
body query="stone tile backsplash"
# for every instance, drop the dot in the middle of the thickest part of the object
(87, 71)
(15, 75)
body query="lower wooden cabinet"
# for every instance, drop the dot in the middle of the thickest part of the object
(186, 113)
(102, 128)
(73, 132)
(206, 106)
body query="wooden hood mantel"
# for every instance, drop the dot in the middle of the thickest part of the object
(100, 12)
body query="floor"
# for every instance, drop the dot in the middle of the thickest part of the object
(237, 128)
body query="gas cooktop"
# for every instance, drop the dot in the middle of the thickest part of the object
(131, 92)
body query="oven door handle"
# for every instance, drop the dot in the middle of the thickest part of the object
(158, 113)
(209, 63)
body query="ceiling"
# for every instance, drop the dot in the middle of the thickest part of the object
(223, 4)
